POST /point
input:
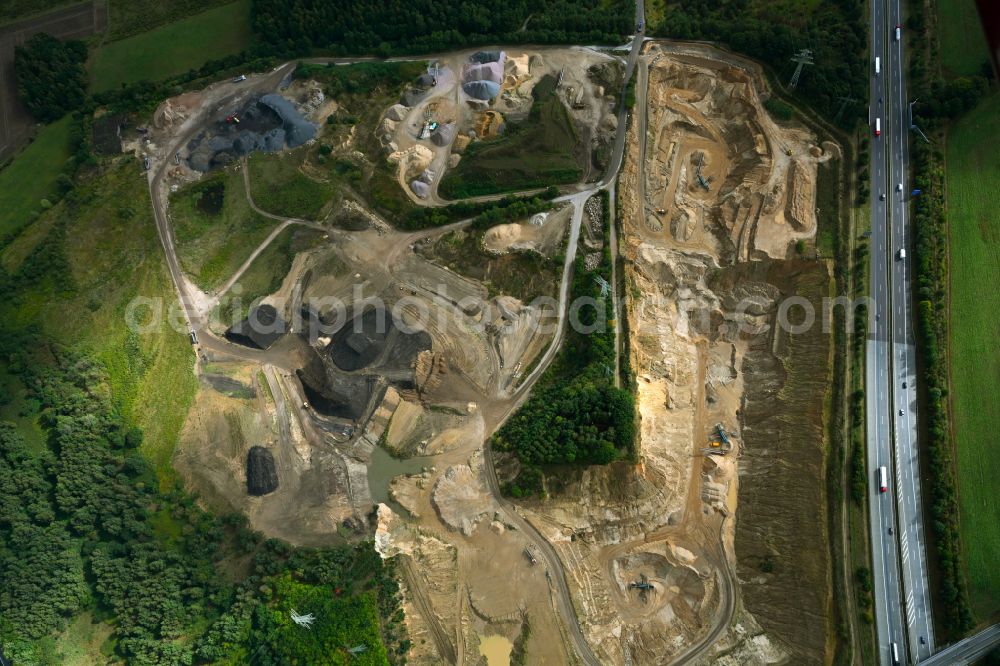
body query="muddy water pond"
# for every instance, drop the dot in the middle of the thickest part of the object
(496, 649)
(383, 468)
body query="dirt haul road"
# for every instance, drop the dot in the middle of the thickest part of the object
(293, 429)
(714, 197)
(666, 522)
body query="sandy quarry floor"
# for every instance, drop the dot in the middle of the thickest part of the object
(667, 521)
(670, 520)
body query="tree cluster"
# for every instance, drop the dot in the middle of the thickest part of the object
(84, 526)
(397, 27)
(834, 30)
(50, 76)
(361, 78)
(575, 414)
(484, 213)
(950, 99)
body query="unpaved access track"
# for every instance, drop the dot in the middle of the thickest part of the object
(667, 521)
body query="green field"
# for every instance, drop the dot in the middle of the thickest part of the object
(31, 177)
(974, 228)
(215, 228)
(534, 153)
(130, 17)
(172, 49)
(77, 282)
(279, 186)
(963, 44)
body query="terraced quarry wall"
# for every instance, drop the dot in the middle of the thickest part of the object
(782, 546)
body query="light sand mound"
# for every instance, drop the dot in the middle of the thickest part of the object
(501, 237)
(461, 499)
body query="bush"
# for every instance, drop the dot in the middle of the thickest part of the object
(50, 76)
(779, 109)
(575, 414)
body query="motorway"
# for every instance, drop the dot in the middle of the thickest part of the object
(917, 595)
(902, 595)
(968, 651)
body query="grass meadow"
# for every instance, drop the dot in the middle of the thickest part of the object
(279, 186)
(215, 228)
(973, 178)
(535, 153)
(31, 177)
(108, 248)
(963, 44)
(172, 49)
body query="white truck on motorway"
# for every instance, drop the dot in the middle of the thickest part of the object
(878, 65)
(878, 127)
(902, 254)
(899, 29)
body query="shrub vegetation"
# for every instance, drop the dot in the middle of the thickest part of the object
(575, 413)
(50, 76)
(426, 26)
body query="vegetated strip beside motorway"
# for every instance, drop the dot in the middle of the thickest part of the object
(973, 179)
(930, 270)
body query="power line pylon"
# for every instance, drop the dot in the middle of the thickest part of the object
(803, 57)
(844, 102)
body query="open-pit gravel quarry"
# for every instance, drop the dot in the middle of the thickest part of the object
(368, 415)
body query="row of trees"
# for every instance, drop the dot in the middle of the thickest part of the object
(575, 414)
(930, 266)
(394, 27)
(484, 213)
(50, 75)
(84, 525)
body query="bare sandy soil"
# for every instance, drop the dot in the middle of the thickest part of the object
(655, 552)
(419, 157)
(700, 339)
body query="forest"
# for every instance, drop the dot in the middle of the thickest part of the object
(834, 30)
(84, 526)
(395, 27)
(50, 76)
(575, 413)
